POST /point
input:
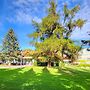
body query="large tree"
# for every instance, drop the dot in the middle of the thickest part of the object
(52, 38)
(10, 47)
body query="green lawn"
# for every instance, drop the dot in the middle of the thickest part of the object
(41, 78)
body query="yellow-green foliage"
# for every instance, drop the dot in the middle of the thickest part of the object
(52, 38)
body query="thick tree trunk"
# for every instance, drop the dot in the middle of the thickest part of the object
(62, 56)
(49, 63)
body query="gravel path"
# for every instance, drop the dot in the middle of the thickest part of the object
(20, 66)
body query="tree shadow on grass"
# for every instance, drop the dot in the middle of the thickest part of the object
(20, 79)
(45, 70)
(80, 79)
(65, 81)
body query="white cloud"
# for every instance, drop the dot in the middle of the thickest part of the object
(24, 11)
(26, 18)
(81, 34)
(37, 19)
(24, 2)
(22, 17)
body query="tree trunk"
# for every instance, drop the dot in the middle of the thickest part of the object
(62, 53)
(9, 63)
(62, 56)
(49, 63)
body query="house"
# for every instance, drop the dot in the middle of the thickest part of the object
(84, 54)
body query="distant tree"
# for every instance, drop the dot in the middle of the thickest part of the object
(86, 42)
(27, 52)
(52, 38)
(10, 47)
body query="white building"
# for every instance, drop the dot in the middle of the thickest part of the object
(84, 54)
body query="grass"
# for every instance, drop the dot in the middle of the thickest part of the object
(41, 78)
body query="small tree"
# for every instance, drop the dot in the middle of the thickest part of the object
(10, 46)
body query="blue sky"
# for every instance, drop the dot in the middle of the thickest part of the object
(18, 14)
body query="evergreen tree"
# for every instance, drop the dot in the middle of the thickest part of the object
(51, 37)
(10, 46)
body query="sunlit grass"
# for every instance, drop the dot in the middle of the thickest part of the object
(42, 78)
